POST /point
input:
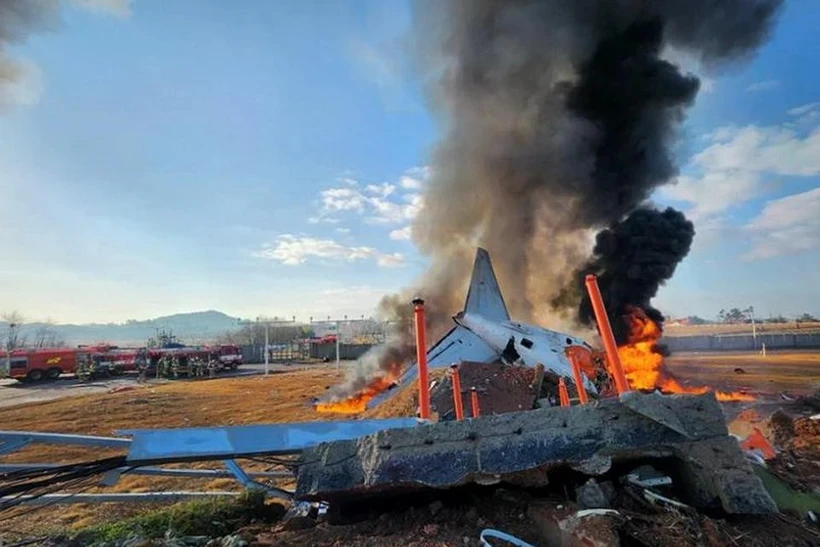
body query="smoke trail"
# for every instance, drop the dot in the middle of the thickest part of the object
(558, 120)
(21, 80)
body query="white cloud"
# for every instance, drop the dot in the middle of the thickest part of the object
(401, 234)
(342, 199)
(384, 203)
(806, 115)
(785, 226)
(117, 8)
(342, 230)
(715, 191)
(764, 85)
(392, 260)
(415, 178)
(384, 189)
(804, 109)
(410, 183)
(293, 251)
(742, 163)
(389, 212)
(776, 150)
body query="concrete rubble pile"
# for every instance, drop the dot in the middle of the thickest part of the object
(683, 435)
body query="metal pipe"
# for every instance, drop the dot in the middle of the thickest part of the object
(474, 401)
(457, 401)
(421, 358)
(267, 347)
(575, 360)
(155, 471)
(563, 395)
(615, 368)
(133, 497)
(338, 359)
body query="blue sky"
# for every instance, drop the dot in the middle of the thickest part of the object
(177, 156)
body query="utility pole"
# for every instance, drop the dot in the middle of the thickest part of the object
(336, 323)
(751, 311)
(8, 347)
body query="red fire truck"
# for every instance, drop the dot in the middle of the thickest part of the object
(229, 355)
(35, 365)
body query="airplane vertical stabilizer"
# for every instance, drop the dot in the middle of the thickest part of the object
(484, 297)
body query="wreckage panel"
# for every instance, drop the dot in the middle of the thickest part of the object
(201, 443)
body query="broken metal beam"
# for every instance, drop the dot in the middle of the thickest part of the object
(149, 446)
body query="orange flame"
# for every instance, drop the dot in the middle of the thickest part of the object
(644, 366)
(357, 402)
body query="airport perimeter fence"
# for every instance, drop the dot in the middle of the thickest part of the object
(288, 345)
(743, 342)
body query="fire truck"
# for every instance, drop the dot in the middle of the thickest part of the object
(229, 355)
(39, 364)
(50, 363)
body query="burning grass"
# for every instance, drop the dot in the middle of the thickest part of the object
(357, 403)
(644, 363)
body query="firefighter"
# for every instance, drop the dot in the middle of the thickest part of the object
(175, 366)
(211, 367)
(83, 370)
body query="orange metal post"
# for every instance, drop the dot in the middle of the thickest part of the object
(563, 395)
(421, 359)
(474, 401)
(575, 361)
(616, 370)
(457, 401)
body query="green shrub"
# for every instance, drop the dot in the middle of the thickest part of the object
(212, 517)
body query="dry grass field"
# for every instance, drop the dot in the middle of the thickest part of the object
(286, 397)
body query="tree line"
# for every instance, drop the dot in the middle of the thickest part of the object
(17, 337)
(736, 316)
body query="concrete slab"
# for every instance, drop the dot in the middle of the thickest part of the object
(520, 448)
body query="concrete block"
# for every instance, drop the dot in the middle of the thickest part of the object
(520, 448)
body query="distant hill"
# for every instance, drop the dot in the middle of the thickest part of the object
(191, 328)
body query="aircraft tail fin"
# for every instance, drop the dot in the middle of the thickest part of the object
(484, 297)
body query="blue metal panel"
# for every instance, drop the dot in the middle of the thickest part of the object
(204, 443)
(60, 438)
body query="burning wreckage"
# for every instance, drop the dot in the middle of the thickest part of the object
(534, 441)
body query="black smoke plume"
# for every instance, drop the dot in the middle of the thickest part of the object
(632, 259)
(559, 119)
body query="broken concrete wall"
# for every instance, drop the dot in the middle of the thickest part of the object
(522, 447)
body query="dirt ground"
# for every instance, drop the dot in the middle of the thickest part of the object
(793, 372)
(287, 397)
